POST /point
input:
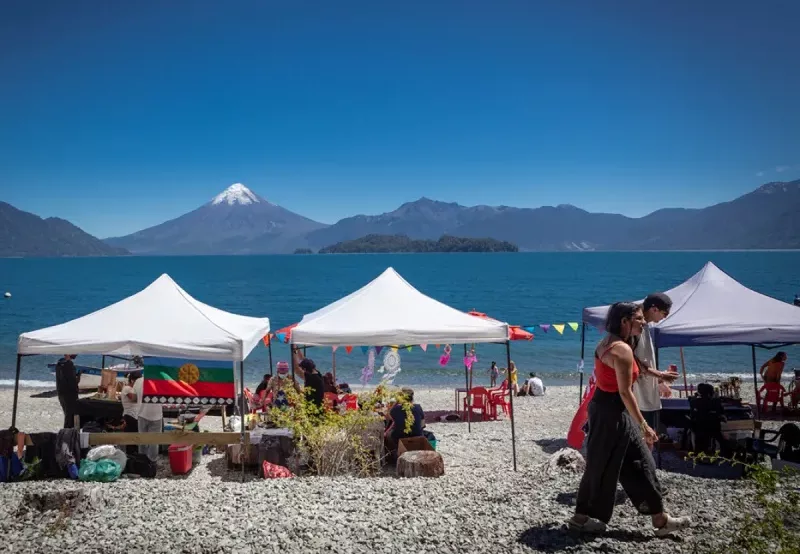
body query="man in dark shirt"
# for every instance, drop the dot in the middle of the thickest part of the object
(397, 425)
(67, 379)
(314, 384)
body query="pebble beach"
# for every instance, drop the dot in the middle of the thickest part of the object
(479, 505)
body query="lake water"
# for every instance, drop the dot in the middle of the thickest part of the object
(521, 288)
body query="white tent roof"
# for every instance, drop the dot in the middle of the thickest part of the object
(390, 311)
(161, 320)
(712, 308)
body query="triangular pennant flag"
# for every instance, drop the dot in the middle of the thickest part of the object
(438, 346)
(573, 326)
(424, 347)
(281, 337)
(266, 339)
(365, 349)
(333, 348)
(408, 348)
(529, 329)
(559, 327)
(394, 348)
(378, 350)
(544, 327)
(348, 349)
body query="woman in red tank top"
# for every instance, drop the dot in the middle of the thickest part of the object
(617, 445)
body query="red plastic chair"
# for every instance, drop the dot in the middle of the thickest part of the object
(771, 392)
(477, 399)
(499, 398)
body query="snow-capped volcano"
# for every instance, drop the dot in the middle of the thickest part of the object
(236, 221)
(237, 193)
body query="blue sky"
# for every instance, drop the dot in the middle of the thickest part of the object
(119, 115)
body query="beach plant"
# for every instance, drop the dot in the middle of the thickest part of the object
(775, 527)
(339, 442)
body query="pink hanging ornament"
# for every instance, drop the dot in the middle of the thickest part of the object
(446, 356)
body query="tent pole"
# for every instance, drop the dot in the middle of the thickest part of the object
(14, 411)
(291, 359)
(103, 362)
(333, 355)
(755, 379)
(16, 392)
(241, 390)
(583, 346)
(683, 368)
(511, 402)
(466, 396)
(269, 347)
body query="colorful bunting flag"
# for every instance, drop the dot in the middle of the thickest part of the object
(365, 349)
(378, 350)
(281, 337)
(424, 347)
(559, 327)
(266, 339)
(408, 348)
(394, 348)
(438, 346)
(529, 329)
(348, 349)
(544, 327)
(333, 348)
(574, 326)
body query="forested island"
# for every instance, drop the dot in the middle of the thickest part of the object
(375, 244)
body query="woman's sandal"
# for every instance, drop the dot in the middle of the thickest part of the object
(588, 526)
(672, 524)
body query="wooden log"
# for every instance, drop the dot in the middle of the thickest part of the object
(420, 463)
(169, 437)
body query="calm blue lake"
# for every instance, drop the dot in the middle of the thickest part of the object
(524, 288)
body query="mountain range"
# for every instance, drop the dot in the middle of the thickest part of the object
(26, 234)
(238, 221)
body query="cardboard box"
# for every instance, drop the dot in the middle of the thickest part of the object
(413, 443)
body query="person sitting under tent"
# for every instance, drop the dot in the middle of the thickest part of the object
(279, 385)
(397, 418)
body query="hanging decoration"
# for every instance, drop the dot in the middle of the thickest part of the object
(559, 327)
(424, 347)
(446, 356)
(573, 326)
(391, 361)
(470, 360)
(378, 350)
(544, 327)
(408, 348)
(334, 348)
(369, 370)
(348, 349)
(364, 349)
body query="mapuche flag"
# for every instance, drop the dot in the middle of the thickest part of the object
(176, 381)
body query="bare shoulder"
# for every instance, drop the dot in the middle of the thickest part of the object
(620, 351)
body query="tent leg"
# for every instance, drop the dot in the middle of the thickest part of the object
(16, 392)
(583, 346)
(269, 347)
(467, 399)
(333, 362)
(511, 402)
(14, 410)
(755, 379)
(103, 362)
(241, 391)
(291, 359)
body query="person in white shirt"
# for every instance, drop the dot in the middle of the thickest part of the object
(535, 386)
(130, 408)
(655, 307)
(150, 419)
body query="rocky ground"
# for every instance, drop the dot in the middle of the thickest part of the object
(479, 505)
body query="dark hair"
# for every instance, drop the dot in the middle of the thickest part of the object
(533, 374)
(658, 300)
(266, 377)
(494, 364)
(134, 375)
(308, 364)
(408, 393)
(777, 357)
(617, 313)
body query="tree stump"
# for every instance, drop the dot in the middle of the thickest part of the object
(420, 463)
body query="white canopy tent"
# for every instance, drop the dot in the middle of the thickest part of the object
(389, 311)
(161, 320)
(711, 308)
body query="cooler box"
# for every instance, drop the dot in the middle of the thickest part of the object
(180, 458)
